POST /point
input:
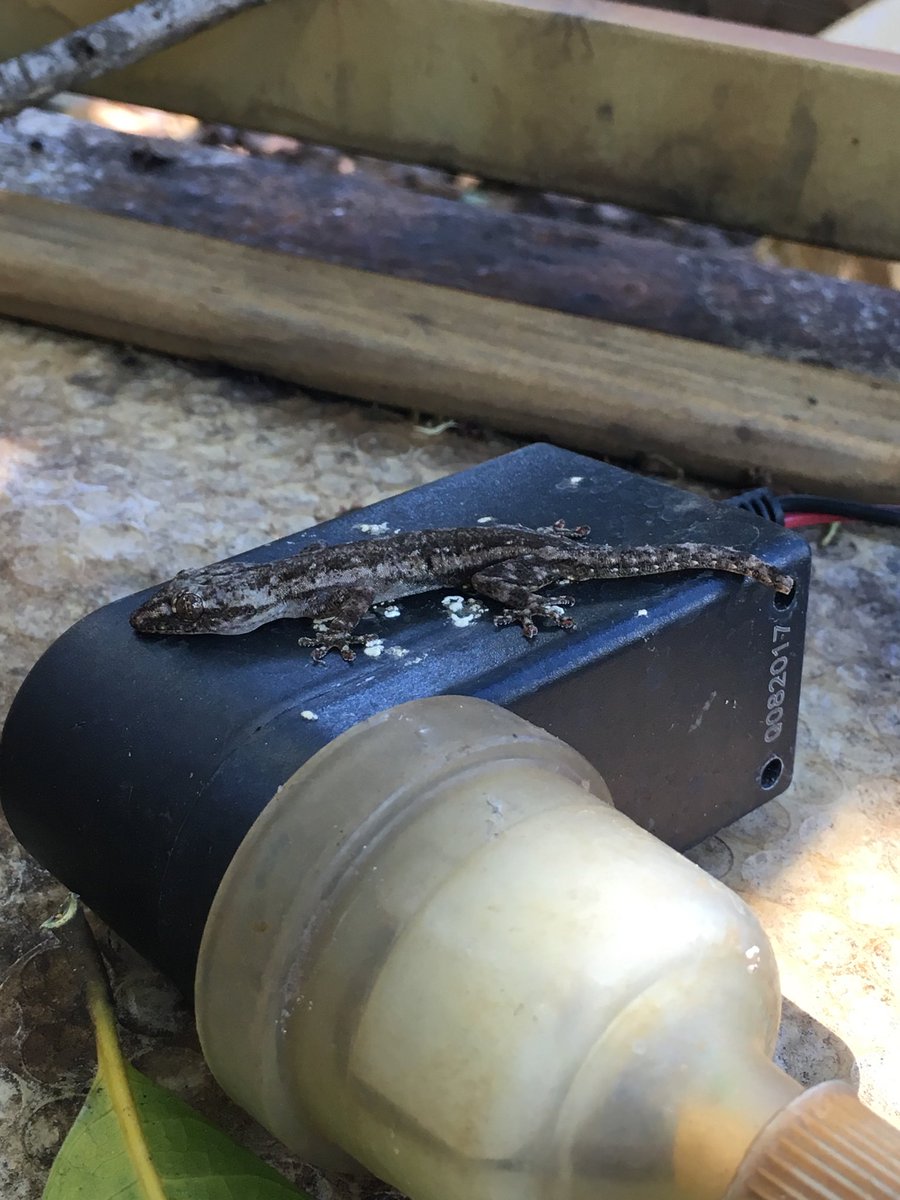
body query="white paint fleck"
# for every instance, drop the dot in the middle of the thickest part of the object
(574, 480)
(486, 520)
(391, 612)
(462, 622)
(698, 721)
(309, 715)
(641, 612)
(462, 612)
(372, 529)
(397, 652)
(374, 648)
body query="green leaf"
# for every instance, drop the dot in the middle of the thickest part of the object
(134, 1140)
(192, 1159)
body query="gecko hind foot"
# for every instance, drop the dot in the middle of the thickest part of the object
(561, 529)
(342, 642)
(525, 616)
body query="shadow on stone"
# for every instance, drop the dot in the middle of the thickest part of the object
(810, 1052)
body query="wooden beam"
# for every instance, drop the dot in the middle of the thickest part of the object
(583, 383)
(773, 132)
(365, 220)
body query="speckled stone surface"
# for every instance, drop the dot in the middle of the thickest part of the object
(116, 467)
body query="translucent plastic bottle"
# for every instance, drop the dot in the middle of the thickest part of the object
(441, 955)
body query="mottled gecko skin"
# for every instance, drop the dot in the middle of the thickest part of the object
(336, 585)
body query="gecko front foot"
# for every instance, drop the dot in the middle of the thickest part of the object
(561, 529)
(548, 609)
(326, 640)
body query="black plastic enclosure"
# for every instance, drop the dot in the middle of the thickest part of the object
(132, 767)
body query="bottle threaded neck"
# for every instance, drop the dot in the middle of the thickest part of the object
(826, 1145)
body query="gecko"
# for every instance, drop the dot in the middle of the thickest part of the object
(336, 585)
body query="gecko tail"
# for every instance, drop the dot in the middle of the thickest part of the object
(723, 558)
(616, 563)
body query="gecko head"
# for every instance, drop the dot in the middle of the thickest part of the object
(216, 599)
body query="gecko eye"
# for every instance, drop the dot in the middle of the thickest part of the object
(187, 604)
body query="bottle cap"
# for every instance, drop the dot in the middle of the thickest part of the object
(825, 1145)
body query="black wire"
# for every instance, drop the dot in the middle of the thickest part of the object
(877, 514)
(764, 503)
(760, 501)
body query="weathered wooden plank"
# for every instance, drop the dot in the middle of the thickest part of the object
(876, 25)
(364, 220)
(584, 383)
(662, 111)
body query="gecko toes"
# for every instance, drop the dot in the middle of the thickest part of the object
(342, 642)
(529, 629)
(318, 653)
(561, 529)
(525, 618)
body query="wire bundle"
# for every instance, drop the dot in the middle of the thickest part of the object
(801, 510)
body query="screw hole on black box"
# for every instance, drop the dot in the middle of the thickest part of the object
(782, 600)
(771, 773)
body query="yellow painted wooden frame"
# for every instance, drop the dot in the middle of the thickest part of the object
(778, 133)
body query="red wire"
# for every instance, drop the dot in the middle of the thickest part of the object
(797, 520)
